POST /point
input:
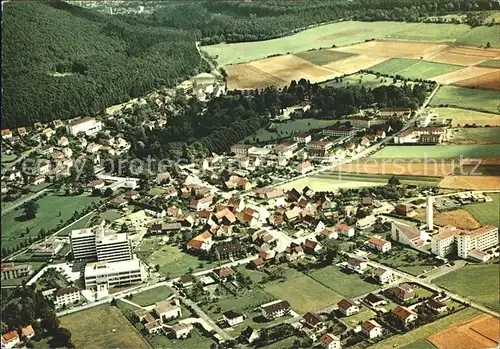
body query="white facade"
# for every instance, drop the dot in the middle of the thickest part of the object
(112, 274)
(89, 126)
(83, 244)
(366, 222)
(114, 248)
(476, 241)
(429, 213)
(66, 296)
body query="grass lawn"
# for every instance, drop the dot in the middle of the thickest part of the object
(80, 224)
(255, 275)
(111, 215)
(321, 57)
(367, 80)
(420, 344)
(476, 282)
(487, 212)
(383, 178)
(363, 315)
(53, 209)
(401, 260)
(303, 293)
(494, 63)
(330, 183)
(425, 331)
(152, 296)
(348, 285)
(484, 135)
(461, 117)
(172, 260)
(256, 325)
(195, 341)
(414, 68)
(438, 151)
(113, 329)
(349, 32)
(285, 129)
(245, 301)
(467, 98)
(8, 158)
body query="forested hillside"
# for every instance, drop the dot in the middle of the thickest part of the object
(62, 61)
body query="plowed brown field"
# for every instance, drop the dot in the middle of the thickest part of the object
(399, 167)
(462, 74)
(471, 182)
(490, 81)
(464, 55)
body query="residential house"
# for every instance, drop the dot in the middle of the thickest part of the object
(380, 245)
(233, 318)
(28, 332)
(311, 247)
(228, 249)
(181, 330)
(223, 273)
(163, 228)
(202, 242)
(66, 296)
(132, 194)
(294, 252)
(201, 204)
(293, 214)
(167, 310)
(257, 263)
(404, 209)
(436, 306)
(356, 265)
(250, 335)
(21, 131)
(118, 202)
(375, 300)
(63, 141)
(330, 341)
(313, 321)
(10, 339)
(371, 329)
(304, 167)
(241, 149)
(344, 230)
(404, 315)
(187, 280)
(329, 233)
(367, 222)
(6, 133)
(348, 307)
(153, 327)
(263, 240)
(154, 211)
(275, 309)
(174, 211)
(236, 204)
(57, 123)
(383, 276)
(403, 292)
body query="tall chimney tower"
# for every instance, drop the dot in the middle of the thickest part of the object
(429, 213)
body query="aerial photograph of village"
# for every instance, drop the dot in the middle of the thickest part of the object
(210, 174)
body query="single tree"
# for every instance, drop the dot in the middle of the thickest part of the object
(30, 209)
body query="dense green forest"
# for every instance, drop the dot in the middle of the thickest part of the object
(62, 61)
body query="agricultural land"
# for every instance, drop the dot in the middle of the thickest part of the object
(454, 96)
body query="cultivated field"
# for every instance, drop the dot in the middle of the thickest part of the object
(395, 49)
(422, 332)
(461, 117)
(487, 212)
(348, 285)
(246, 76)
(465, 73)
(465, 55)
(481, 332)
(471, 182)
(102, 327)
(367, 80)
(460, 218)
(467, 98)
(438, 152)
(489, 81)
(413, 68)
(401, 167)
(328, 184)
(303, 293)
(322, 57)
(465, 281)
(484, 135)
(494, 63)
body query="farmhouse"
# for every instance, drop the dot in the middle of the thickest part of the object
(329, 341)
(202, 242)
(275, 309)
(348, 307)
(233, 318)
(380, 245)
(404, 315)
(371, 329)
(383, 276)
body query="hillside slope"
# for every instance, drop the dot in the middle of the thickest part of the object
(62, 61)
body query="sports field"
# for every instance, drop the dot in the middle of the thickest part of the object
(348, 285)
(102, 327)
(413, 68)
(487, 212)
(462, 117)
(349, 32)
(422, 332)
(303, 293)
(486, 135)
(321, 57)
(53, 209)
(467, 98)
(465, 281)
(494, 63)
(439, 151)
(288, 129)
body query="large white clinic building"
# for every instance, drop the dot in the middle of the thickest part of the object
(113, 274)
(87, 125)
(83, 243)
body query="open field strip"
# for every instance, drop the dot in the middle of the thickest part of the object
(113, 331)
(461, 117)
(465, 281)
(328, 184)
(413, 68)
(459, 218)
(465, 55)
(322, 57)
(483, 135)
(246, 76)
(487, 212)
(489, 81)
(493, 63)
(390, 167)
(438, 151)
(347, 285)
(423, 332)
(467, 98)
(354, 64)
(481, 332)
(471, 182)
(367, 80)
(461, 74)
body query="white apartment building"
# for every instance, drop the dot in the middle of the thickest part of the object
(113, 274)
(66, 296)
(466, 241)
(13, 271)
(114, 248)
(88, 125)
(83, 243)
